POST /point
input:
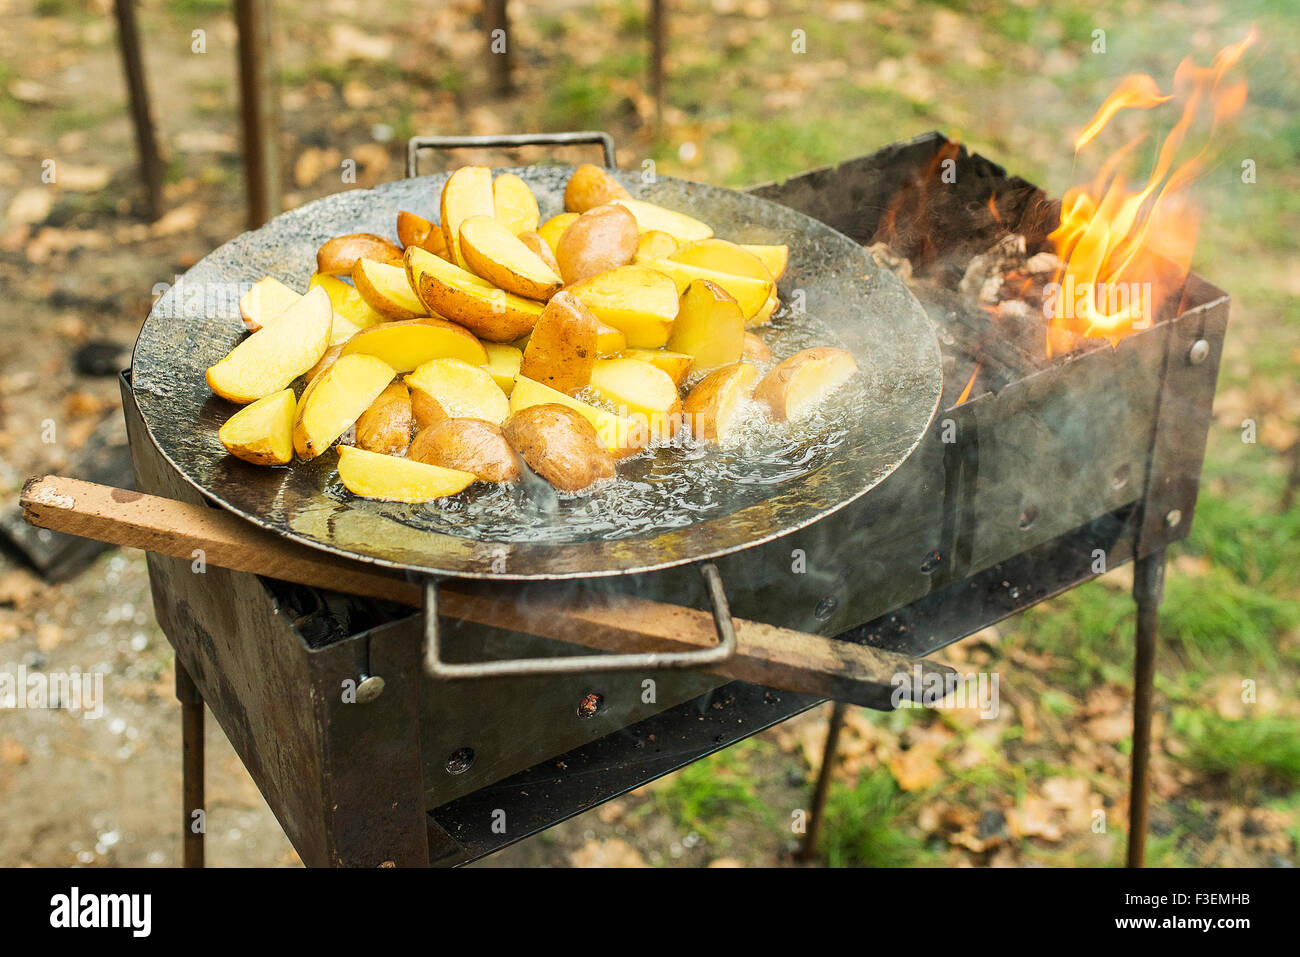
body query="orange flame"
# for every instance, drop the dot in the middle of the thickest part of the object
(1124, 251)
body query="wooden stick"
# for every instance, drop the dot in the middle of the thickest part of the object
(766, 654)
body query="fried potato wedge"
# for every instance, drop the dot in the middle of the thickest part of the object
(386, 289)
(804, 381)
(677, 364)
(756, 350)
(447, 290)
(333, 401)
(408, 343)
(638, 388)
(515, 205)
(589, 187)
(764, 315)
(262, 432)
(749, 292)
(425, 408)
(636, 300)
(710, 408)
(337, 256)
(609, 341)
(602, 238)
(413, 230)
(538, 245)
(495, 254)
(265, 299)
(709, 326)
(347, 302)
(464, 391)
(681, 227)
(271, 358)
(562, 346)
(656, 243)
(386, 426)
(721, 256)
(775, 258)
(372, 475)
(554, 228)
(503, 362)
(620, 435)
(324, 362)
(560, 445)
(468, 192)
(469, 445)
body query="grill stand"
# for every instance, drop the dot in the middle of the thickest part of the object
(1148, 591)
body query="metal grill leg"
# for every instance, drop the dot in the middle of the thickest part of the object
(258, 108)
(809, 850)
(1148, 591)
(187, 692)
(151, 171)
(497, 17)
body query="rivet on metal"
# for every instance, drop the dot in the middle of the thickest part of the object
(826, 607)
(1173, 517)
(589, 705)
(460, 761)
(369, 688)
(1200, 352)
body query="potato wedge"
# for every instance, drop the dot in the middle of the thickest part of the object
(515, 205)
(468, 192)
(538, 245)
(677, 364)
(562, 347)
(554, 228)
(408, 343)
(681, 227)
(721, 256)
(387, 290)
(620, 435)
(469, 445)
(656, 243)
(464, 391)
(589, 187)
(447, 290)
(638, 301)
(425, 408)
(756, 350)
(710, 408)
(337, 256)
(324, 362)
(386, 426)
(271, 358)
(764, 315)
(775, 258)
(609, 341)
(347, 302)
(262, 432)
(387, 477)
(749, 292)
(493, 252)
(560, 445)
(413, 230)
(335, 400)
(503, 362)
(640, 389)
(265, 299)
(804, 381)
(602, 238)
(709, 326)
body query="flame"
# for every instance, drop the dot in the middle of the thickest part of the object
(970, 384)
(1125, 250)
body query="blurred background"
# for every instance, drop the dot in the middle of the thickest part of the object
(80, 258)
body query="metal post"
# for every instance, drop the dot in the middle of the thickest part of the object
(257, 97)
(187, 692)
(809, 850)
(151, 170)
(496, 17)
(1148, 591)
(658, 49)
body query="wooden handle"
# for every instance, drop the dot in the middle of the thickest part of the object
(765, 654)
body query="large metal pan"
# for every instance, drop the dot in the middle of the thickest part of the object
(723, 504)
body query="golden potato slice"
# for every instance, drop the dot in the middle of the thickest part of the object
(775, 258)
(515, 205)
(537, 244)
(386, 426)
(554, 228)
(562, 347)
(636, 300)
(265, 299)
(656, 243)
(262, 433)
(335, 400)
(609, 341)
(756, 350)
(601, 239)
(425, 408)
(463, 391)
(413, 230)
(387, 290)
(589, 187)
(447, 290)
(749, 292)
(710, 408)
(622, 436)
(721, 256)
(468, 192)
(372, 475)
(560, 445)
(347, 302)
(681, 227)
(470, 445)
(640, 389)
(324, 362)
(709, 326)
(764, 315)
(802, 382)
(677, 364)
(408, 343)
(337, 256)
(503, 362)
(271, 358)
(493, 252)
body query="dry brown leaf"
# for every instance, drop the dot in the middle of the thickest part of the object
(610, 853)
(11, 752)
(917, 767)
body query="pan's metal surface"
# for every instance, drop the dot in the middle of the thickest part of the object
(867, 310)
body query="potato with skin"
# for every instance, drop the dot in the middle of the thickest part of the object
(559, 445)
(393, 479)
(600, 239)
(468, 192)
(640, 389)
(756, 350)
(413, 230)
(425, 409)
(721, 256)
(266, 299)
(463, 391)
(799, 384)
(710, 408)
(515, 205)
(554, 228)
(495, 254)
(347, 302)
(589, 187)
(622, 436)
(408, 343)
(678, 365)
(386, 426)
(271, 358)
(562, 348)
(656, 243)
(386, 289)
(337, 256)
(678, 225)
(636, 300)
(764, 315)
(709, 326)
(469, 445)
(751, 293)
(503, 362)
(488, 312)
(775, 258)
(262, 433)
(335, 400)
(538, 245)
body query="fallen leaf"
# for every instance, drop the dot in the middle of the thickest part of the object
(611, 853)
(917, 767)
(11, 752)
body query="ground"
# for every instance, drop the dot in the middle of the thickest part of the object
(1042, 783)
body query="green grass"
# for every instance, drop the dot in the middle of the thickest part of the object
(711, 792)
(867, 825)
(1257, 750)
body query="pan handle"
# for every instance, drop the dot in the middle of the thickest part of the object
(508, 140)
(584, 664)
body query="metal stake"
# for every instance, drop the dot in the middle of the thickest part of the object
(496, 17)
(658, 49)
(1148, 591)
(187, 692)
(151, 172)
(257, 96)
(809, 850)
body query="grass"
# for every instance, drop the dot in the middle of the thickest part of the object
(1258, 750)
(712, 791)
(868, 825)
